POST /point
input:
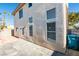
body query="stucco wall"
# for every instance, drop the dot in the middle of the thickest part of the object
(38, 12)
(20, 23)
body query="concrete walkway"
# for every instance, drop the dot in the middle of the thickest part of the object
(11, 46)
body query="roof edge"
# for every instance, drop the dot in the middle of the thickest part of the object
(20, 5)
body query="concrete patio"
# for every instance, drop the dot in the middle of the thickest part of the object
(11, 46)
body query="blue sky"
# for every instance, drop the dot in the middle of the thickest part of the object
(9, 7)
(73, 7)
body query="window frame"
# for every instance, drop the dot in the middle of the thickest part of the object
(20, 13)
(51, 13)
(31, 31)
(53, 31)
(23, 31)
(29, 5)
(30, 19)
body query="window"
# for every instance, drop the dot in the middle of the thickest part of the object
(21, 13)
(30, 20)
(51, 30)
(29, 5)
(51, 26)
(22, 31)
(30, 26)
(31, 30)
(51, 13)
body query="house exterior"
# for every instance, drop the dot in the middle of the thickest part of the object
(41, 23)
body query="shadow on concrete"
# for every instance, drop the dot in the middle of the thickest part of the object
(57, 53)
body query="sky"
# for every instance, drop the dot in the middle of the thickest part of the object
(73, 7)
(9, 7)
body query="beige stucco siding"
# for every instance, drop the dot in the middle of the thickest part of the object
(38, 11)
(40, 22)
(20, 23)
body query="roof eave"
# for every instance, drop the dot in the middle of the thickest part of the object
(17, 8)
